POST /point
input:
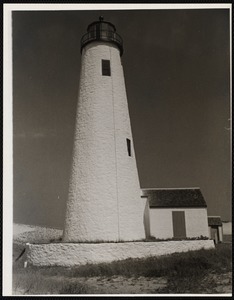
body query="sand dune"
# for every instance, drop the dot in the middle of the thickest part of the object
(23, 233)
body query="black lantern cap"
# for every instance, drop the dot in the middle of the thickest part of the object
(102, 31)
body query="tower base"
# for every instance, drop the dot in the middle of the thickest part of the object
(75, 254)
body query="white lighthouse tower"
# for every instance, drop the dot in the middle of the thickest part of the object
(104, 201)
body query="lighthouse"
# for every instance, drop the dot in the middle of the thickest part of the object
(104, 198)
(108, 215)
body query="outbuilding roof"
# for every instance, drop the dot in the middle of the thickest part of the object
(214, 221)
(186, 197)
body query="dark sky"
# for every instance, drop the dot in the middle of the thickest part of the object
(177, 72)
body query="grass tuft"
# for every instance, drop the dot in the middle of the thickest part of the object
(192, 263)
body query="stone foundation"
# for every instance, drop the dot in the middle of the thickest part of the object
(71, 254)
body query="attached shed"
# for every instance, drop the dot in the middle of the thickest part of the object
(177, 213)
(215, 228)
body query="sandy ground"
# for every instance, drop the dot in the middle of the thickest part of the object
(123, 285)
(212, 284)
(145, 285)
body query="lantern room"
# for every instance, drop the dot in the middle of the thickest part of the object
(102, 31)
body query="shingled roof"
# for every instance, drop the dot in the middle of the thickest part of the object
(214, 221)
(191, 197)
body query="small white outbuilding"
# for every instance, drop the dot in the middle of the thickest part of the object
(175, 213)
(215, 228)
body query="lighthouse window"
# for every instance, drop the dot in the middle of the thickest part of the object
(106, 67)
(129, 147)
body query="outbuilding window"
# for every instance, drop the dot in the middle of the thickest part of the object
(106, 67)
(129, 147)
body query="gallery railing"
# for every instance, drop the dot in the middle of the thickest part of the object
(102, 35)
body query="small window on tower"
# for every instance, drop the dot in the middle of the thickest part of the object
(129, 147)
(106, 67)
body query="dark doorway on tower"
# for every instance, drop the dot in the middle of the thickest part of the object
(129, 147)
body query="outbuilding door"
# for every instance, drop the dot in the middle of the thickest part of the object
(215, 234)
(178, 219)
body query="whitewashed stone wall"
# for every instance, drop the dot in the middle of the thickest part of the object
(70, 254)
(104, 200)
(161, 225)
